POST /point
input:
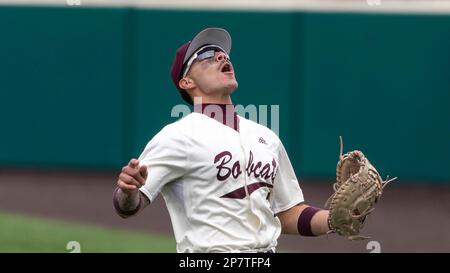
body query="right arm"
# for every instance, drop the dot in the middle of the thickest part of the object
(127, 198)
(166, 156)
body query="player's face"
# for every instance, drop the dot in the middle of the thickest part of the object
(214, 74)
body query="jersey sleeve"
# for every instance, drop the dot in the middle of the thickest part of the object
(165, 157)
(286, 189)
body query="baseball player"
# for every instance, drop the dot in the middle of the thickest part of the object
(227, 181)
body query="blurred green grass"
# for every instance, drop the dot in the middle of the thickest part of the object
(19, 233)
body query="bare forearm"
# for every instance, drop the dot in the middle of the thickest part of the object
(319, 223)
(126, 204)
(289, 219)
(128, 201)
(127, 198)
(291, 222)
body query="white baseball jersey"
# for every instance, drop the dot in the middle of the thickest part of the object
(221, 187)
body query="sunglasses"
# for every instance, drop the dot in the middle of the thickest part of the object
(203, 53)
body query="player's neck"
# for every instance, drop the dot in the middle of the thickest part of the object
(219, 100)
(223, 113)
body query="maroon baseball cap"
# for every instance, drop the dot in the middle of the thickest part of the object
(209, 36)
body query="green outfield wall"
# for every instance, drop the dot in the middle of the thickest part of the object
(88, 87)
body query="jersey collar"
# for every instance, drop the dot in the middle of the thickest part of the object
(223, 113)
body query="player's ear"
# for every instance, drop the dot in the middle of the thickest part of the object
(186, 83)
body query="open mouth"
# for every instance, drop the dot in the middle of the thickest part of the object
(226, 68)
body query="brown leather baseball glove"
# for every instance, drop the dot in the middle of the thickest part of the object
(357, 189)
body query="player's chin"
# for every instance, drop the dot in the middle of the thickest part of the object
(226, 84)
(232, 85)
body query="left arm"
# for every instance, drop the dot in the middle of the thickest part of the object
(301, 217)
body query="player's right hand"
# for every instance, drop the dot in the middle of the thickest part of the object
(132, 176)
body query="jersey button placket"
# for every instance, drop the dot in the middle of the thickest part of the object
(246, 178)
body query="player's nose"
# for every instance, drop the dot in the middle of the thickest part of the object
(221, 56)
